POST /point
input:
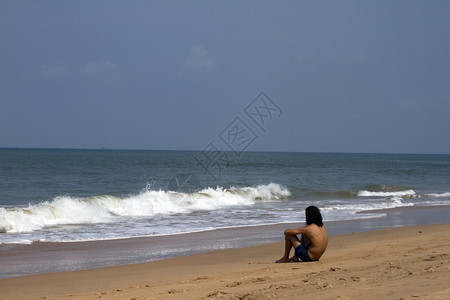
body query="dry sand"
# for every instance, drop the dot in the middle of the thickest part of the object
(401, 263)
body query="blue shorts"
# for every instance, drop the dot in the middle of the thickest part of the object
(302, 253)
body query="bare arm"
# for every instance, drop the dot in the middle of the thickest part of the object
(305, 234)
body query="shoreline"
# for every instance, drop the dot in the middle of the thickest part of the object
(403, 262)
(40, 258)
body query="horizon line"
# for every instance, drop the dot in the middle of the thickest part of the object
(187, 150)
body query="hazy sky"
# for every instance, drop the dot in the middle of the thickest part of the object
(341, 76)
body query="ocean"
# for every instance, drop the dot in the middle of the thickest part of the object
(54, 195)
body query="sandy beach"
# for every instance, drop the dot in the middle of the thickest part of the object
(400, 263)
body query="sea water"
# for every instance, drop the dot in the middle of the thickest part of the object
(81, 195)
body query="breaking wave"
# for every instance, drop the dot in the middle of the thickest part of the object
(442, 195)
(65, 210)
(406, 193)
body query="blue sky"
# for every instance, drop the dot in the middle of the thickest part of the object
(348, 76)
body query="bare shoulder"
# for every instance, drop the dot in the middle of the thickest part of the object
(317, 230)
(313, 227)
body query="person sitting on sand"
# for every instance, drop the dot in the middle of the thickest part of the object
(313, 241)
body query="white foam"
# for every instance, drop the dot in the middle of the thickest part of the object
(406, 193)
(351, 209)
(104, 209)
(443, 195)
(62, 210)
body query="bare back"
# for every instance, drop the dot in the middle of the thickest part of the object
(319, 240)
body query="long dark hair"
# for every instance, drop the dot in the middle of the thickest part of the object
(313, 215)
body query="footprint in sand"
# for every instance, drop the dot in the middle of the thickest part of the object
(234, 284)
(201, 278)
(174, 291)
(217, 294)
